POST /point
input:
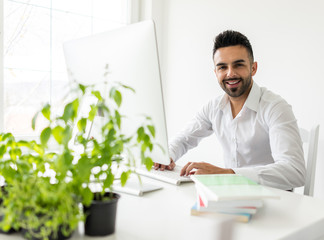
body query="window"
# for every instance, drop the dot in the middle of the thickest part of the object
(34, 66)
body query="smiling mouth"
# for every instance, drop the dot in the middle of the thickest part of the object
(232, 82)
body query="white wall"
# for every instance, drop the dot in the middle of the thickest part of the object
(287, 37)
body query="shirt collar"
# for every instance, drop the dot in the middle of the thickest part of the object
(252, 101)
(222, 103)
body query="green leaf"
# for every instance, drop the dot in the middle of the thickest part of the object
(87, 196)
(140, 134)
(151, 128)
(118, 98)
(37, 148)
(51, 155)
(144, 147)
(128, 87)
(68, 112)
(111, 135)
(58, 134)
(3, 150)
(34, 120)
(117, 148)
(82, 124)
(67, 134)
(71, 110)
(116, 95)
(146, 143)
(147, 139)
(118, 118)
(124, 176)
(148, 163)
(150, 147)
(6, 227)
(109, 180)
(7, 135)
(13, 153)
(9, 173)
(93, 112)
(97, 95)
(96, 148)
(23, 143)
(82, 87)
(75, 105)
(67, 159)
(46, 111)
(84, 167)
(45, 135)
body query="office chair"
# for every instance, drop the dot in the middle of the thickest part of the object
(310, 143)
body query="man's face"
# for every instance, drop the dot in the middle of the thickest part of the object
(234, 70)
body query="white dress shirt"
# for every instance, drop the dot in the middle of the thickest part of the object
(262, 142)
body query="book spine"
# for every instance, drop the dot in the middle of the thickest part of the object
(239, 217)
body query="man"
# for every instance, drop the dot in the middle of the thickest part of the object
(256, 128)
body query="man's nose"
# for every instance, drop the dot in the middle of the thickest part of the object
(231, 72)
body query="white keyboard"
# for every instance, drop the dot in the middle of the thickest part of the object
(172, 177)
(134, 187)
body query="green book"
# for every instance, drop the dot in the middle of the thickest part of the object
(222, 187)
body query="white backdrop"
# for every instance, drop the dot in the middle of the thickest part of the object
(287, 37)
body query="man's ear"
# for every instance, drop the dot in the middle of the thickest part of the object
(254, 68)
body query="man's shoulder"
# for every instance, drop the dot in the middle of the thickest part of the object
(272, 103)
(270, 98)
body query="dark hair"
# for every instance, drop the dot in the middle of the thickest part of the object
(232, 38)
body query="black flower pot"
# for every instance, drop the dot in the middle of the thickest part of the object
(101, 216)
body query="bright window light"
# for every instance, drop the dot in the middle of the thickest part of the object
(34, 66)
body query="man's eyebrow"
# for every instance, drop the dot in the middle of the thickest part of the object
(236, 61)
(220, 64)
(239, 61)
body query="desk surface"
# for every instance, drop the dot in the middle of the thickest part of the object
(165, 214)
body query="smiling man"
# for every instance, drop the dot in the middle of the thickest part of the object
(256, 128)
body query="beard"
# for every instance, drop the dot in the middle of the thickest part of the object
(238, 91)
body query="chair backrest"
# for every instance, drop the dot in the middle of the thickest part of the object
(310, 142)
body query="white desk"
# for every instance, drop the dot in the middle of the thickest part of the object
(165, 215)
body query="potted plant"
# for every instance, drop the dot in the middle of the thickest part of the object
(33, 200)
(44, 188)
(100, 155)
(5, 142)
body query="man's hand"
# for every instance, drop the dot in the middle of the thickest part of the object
(162, 167)
(203, 168)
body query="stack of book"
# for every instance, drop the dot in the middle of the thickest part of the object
(231, 194)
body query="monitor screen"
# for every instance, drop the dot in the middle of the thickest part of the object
(132, 56)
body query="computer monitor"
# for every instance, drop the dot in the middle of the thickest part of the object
(132, 56)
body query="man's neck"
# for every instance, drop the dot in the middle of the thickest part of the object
(237, 103)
